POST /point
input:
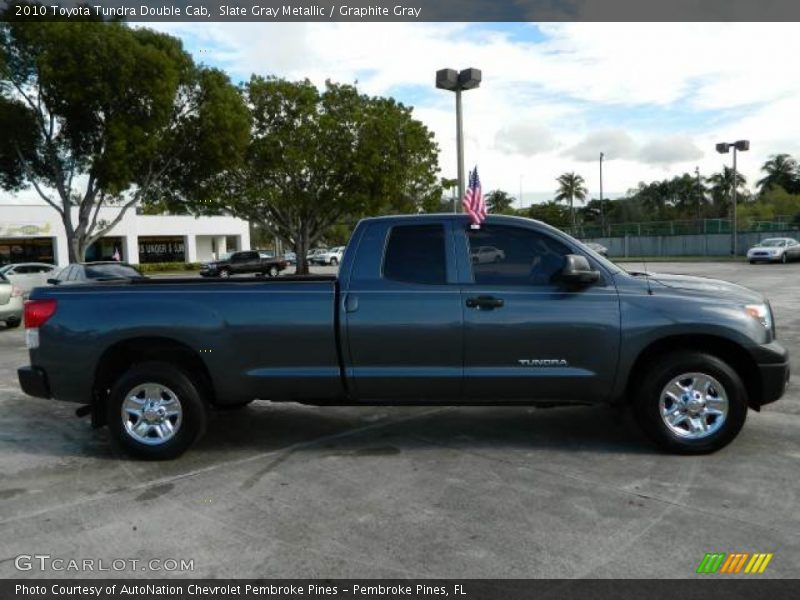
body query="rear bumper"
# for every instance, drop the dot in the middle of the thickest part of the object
(33, 382)
(773, 366)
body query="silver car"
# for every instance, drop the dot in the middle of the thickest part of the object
(11, 302)
(774, 250)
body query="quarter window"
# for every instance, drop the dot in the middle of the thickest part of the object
(416, 254)
(502, 255)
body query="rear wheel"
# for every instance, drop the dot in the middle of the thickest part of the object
(155, 411)
(334, 261)
(690, 403)
(273, 271)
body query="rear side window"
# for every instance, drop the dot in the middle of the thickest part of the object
(415, 254)
(111, 272)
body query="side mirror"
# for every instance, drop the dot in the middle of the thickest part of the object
(52, 281)
(578, 271)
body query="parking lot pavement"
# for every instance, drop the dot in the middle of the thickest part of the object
(297, 491)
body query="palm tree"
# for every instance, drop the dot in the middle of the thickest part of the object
(720, 188)
(781, 170)
(571, 187)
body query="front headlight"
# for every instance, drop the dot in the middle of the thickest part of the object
(761, 313)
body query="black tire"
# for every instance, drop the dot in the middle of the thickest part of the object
(659, 373)
(13, 323)
(193, 418)
(334, 261)
(783, 258)
(752, 262)
(273, 271)
(225, 273)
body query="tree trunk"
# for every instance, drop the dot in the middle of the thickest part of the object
(301, 250)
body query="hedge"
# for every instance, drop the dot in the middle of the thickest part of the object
(168, 266)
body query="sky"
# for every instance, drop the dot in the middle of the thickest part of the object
(654, 98)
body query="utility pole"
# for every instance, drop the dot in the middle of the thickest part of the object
(602, 214)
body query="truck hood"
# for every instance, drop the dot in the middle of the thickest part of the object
(705, 286)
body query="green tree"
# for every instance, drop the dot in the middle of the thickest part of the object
(319, 158)
(781, 171)
(720, 187)
(571, 187)
(551, 213)
(499, 202)
(97, 113)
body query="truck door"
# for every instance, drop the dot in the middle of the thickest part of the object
(402, 311)
(526, 336)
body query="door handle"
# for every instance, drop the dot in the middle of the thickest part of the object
(485, 302)
(351, 303)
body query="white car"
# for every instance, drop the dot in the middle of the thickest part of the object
(487, 254)
(330, 257)
(11, 303)
(27, 276)
(774, 250)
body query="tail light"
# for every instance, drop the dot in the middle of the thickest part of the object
(37, 312)
(16, 292)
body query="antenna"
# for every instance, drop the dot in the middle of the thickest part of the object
(647, 277)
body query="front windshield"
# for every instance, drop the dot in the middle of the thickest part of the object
(772, 243)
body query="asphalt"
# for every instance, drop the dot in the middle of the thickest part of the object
(297, 491)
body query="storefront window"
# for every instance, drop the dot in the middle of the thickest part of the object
(161, 249)
(26, 250)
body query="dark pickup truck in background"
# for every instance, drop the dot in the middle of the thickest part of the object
(247, 262)
(412, 319)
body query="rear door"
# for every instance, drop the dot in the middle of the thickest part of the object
(526, 336)
(403, 315)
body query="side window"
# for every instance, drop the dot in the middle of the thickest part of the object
(416, 254)
(514, 256)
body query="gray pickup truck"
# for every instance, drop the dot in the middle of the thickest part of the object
(413, 318)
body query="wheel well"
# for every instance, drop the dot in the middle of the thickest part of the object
(118, 358)
(726, 350)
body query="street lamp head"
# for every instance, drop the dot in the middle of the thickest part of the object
(447, 79)
(742, 145)
(723, 148)
(469, 79)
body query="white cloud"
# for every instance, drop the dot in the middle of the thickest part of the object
(525, 138)
(669, 150)
(613, 143)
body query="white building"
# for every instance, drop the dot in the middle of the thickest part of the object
(31, 233)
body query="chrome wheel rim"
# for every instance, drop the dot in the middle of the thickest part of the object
(152, 414)
(693, 405)
(224, 274)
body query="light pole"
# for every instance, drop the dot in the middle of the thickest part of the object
(724, 148)
(458, 81)
(699, 192)
(602, 214)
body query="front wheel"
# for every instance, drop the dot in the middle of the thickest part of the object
(334, 261)
(690, 403)
(225, 273)
(783, 258)
(155, 411)
(12, 323)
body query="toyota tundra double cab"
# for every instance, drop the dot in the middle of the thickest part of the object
(413, 319)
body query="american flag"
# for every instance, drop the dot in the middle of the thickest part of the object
(473, 199)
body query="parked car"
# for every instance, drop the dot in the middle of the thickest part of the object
(243, 263)
(411, 320)
(28, 275)
(330, 257)
(312, 253)
(290, 258)
(774, 250)
(599, 248)
(487, 254)
(11, 300)
(95, 271)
